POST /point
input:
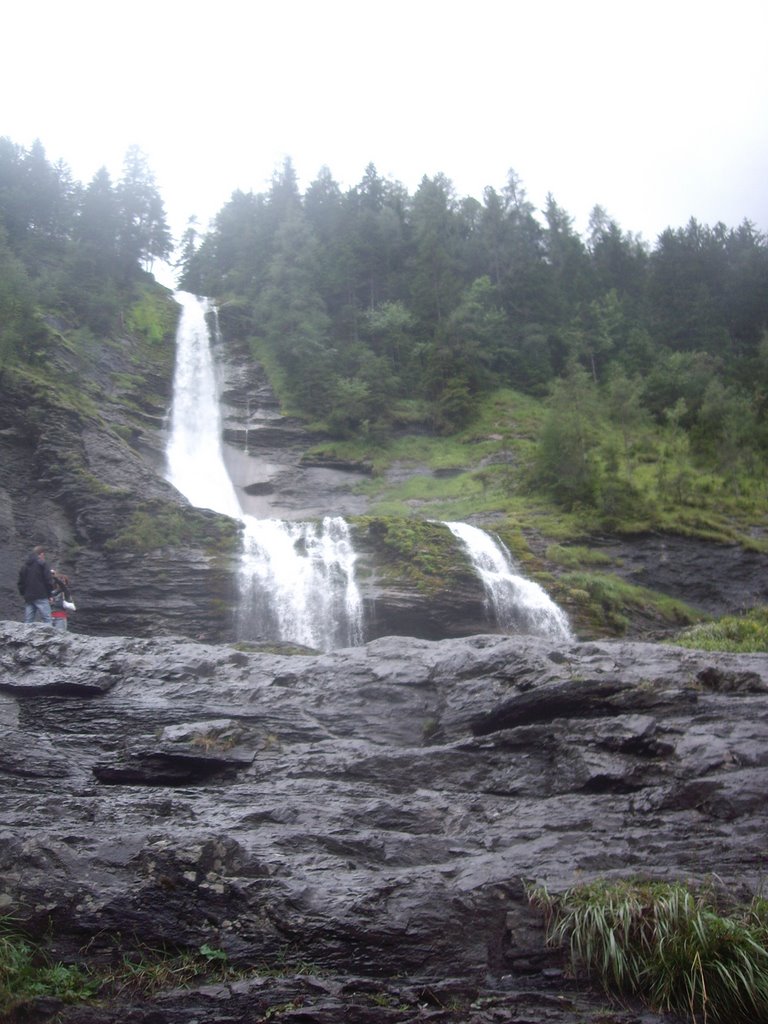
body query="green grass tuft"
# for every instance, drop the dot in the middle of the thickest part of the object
(738, 634)
(605, 601)
(27, 974)
(666, 945)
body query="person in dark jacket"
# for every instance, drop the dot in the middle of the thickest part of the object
(35, 586)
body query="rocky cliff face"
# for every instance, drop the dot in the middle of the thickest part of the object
(82, 471)
(373, 812)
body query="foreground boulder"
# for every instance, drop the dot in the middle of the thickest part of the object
(373, 812)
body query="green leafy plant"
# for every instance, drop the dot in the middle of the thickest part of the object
(213, 955)
(666, 945)
(27, 973)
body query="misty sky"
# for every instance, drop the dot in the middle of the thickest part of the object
(658, 111)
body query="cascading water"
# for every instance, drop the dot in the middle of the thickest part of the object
(519, 605)
(195, 464)
(297, 580)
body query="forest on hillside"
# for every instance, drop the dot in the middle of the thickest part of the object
(70, 249)
(376, 311)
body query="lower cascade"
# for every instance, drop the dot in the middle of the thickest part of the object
(297, 582)
(519, 605)
(297, 579)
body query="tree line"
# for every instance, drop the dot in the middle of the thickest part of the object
(71, 248)
(374, 303)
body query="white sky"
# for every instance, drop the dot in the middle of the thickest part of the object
(658, 111)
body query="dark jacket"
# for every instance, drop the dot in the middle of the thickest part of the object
(34, 579)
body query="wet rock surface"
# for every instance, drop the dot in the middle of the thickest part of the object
(364, 820)
(712, 577)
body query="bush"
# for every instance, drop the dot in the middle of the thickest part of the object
(152, 315)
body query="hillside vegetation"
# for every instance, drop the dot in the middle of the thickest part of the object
(380, 314)
(551, 385)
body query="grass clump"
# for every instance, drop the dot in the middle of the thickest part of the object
(158, 525)
(738, 634)
(423, 552)
(28, 974)
(148, 970)
(574, 556)
(607, 601)
(666, 945)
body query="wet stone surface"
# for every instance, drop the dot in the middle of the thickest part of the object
(372, 812)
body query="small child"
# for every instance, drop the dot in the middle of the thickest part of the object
(60, 598)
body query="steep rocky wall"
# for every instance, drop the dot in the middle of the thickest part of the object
(82, 465)
(81, 472)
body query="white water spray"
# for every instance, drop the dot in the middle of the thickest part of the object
(519, 605)
(297, 580)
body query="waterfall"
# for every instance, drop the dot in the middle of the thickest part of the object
(195, 463)
(518, 605)
(297, 580)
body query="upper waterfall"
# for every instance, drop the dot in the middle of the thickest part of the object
(195, 463)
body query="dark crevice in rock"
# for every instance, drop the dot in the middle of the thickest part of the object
(167, 768)
(586, 698)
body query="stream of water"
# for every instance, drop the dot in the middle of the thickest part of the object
(517, 604)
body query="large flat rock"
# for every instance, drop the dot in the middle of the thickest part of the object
(375, 810)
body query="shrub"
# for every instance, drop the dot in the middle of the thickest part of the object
(152, 315)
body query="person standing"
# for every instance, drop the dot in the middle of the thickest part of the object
(35, 586)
